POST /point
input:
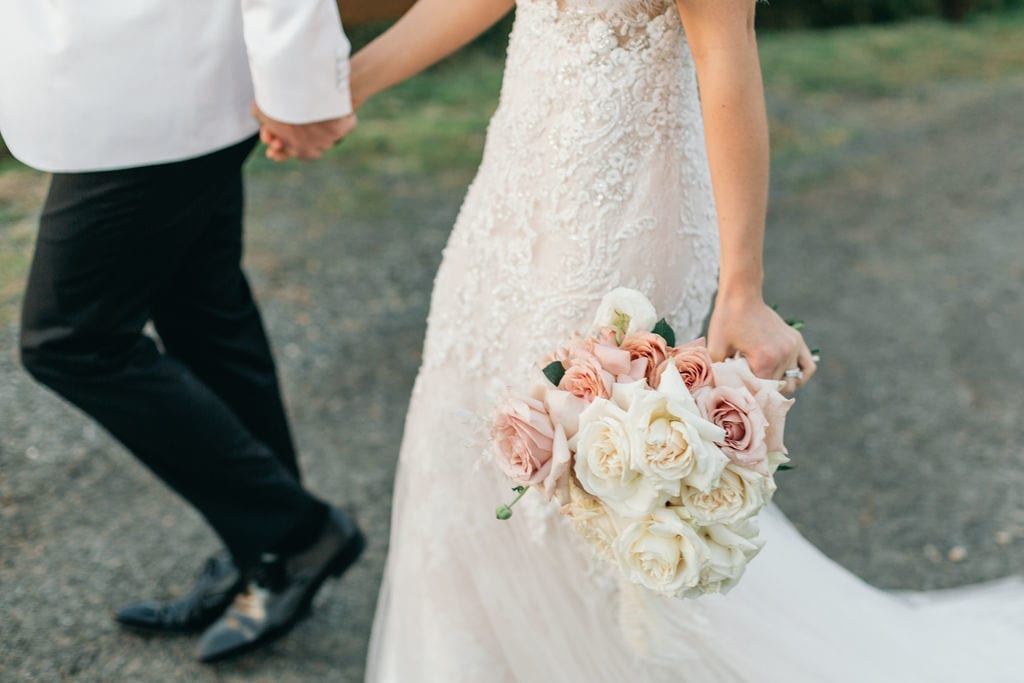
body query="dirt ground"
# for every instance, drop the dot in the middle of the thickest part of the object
(901, 245)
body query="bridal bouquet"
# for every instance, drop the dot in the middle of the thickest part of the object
(661, 458)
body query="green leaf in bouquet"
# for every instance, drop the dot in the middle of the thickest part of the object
(785, 468)
(555, 371)
(796, 324)
(665, 331)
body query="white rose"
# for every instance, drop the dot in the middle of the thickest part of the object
(739, 495)
(625, 394)
(673, 443)
(662, 553)
(776, 458)
(626, 310)
(730, 549)
(592, 520)
(604, 462)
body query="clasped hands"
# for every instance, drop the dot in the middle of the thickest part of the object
(306, 141)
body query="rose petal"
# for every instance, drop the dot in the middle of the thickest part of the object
(613, 359)
(556, 482)
(565, 410)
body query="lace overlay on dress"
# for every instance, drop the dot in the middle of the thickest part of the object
(594, 176)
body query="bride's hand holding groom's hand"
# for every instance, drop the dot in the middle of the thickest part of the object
(305, 141)
(748, 326)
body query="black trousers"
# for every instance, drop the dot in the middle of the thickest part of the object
(163, 243)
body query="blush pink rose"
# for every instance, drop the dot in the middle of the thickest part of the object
(693, 362)
(524, 438)
(648, 347)
(565, 410)
(586, 377)
(775, 407)
(556, 482)
(737, 412)
(613, 359)
(637, 372)
(736, 373)
(607, 336)
(577, 346)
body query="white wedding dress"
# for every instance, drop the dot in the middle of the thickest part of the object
(594, 176)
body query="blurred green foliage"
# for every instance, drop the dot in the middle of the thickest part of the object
(786, 14)
(880, 60)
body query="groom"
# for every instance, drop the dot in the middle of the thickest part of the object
(142, 113)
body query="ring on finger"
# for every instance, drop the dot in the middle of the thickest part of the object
(793, 373)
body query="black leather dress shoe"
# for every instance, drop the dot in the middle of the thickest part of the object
(280, 591)
(214, 589)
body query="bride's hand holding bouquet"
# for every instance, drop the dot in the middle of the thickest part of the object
(744, 325)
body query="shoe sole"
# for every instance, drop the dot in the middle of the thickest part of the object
(337, 567)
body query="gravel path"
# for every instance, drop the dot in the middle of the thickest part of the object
(902, 249)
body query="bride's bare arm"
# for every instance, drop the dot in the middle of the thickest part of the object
(724, 46)
(428, 32)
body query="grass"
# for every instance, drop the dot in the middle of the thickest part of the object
(831, 88)
(881, 60)
(20, 193)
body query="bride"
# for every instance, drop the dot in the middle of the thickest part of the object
(604, 168)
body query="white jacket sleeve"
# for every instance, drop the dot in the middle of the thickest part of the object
(298, 57)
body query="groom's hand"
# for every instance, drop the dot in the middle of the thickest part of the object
(302, 141)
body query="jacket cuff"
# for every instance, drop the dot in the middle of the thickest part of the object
(298, 98)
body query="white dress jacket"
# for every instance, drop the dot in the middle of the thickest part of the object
(105, 84)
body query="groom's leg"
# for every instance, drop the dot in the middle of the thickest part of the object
(208, 320)
(108, 245)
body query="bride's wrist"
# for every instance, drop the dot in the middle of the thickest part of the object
(359, 80)
(358, 95)
(739, 294)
